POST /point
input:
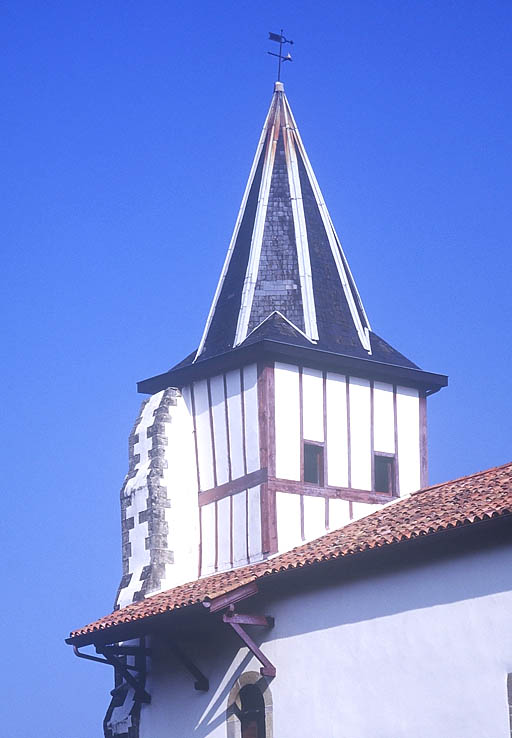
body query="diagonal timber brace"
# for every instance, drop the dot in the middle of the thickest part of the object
(236, 620)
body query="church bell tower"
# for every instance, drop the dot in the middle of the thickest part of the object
(292, 417)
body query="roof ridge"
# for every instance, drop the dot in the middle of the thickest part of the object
(460, 479)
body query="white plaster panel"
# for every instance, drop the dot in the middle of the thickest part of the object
(313, 405)
(254, 523)
(204, 436)
(240, 528)
(339, 513)
(180, 478)
(362, 509)
(252, 435)
(314, 517)
(288, 520)
(208, 539)
(360, 434)
(220, 434)
(408, 426)
(224, 533)
(337, 445)
(287, 421)
(234, 400)
(383, 418)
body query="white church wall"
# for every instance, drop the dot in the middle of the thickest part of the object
(235, 420)
(361, 509)
(289, 529)
(339, 513)
(219, 428)
(360, 434)
(224, 534)
(240, 554)
(313, 405)
(383, 418)
(208, 538)
(422, 651)
(314, 517)
(408, 431)
(251, 420)
(180, 478)
(337, 434)
(254, 523)
(203, 434)
(287, 421)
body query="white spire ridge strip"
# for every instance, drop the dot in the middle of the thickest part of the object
(232, 243)
(301, 235)
(337, 251)
(257, 234)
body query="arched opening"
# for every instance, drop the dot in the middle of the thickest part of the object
(249, 708)
(252, 712)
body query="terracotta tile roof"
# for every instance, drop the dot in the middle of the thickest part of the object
(462, 502)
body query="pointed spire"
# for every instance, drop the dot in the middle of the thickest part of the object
(285, 255)
(286, 290)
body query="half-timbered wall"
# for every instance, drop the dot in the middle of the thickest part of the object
(226, 422)
(353, 420)
(217, 474)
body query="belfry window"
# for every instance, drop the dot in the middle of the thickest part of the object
(252, 712)
(313, 464)
(384, 469)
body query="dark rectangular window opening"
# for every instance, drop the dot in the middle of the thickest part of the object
(313, 464)
(384, 467)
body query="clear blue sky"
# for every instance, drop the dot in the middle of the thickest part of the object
(128, 129)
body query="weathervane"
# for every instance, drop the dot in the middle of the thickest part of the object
(280, 40)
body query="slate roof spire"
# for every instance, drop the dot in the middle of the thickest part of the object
(285, 261)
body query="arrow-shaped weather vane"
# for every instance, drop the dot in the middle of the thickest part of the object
(280, 39)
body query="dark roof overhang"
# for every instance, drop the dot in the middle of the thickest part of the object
(272, 350)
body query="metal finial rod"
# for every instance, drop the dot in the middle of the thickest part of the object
(280, 39)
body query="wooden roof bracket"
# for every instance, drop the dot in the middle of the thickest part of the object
(227, 603)
(111, 654)
(236, 620)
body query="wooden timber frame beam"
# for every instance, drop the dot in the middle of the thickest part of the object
(226, 605)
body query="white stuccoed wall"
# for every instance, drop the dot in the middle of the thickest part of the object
(421, 652)
(181, 480)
